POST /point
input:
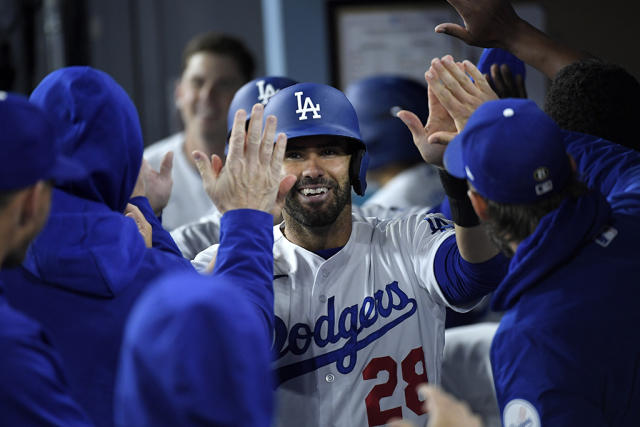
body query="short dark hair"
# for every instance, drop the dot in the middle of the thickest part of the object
(221, 44)
(515, 222)
(598, 98)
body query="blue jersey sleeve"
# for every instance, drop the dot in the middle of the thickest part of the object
(160, 238)
(245, 255)
(612, 169)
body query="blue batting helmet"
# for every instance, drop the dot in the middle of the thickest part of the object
(253, 92)
(310, 109)
(377, 100)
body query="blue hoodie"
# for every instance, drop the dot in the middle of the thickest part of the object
(197, 349)
(567, 351)
(84, 271)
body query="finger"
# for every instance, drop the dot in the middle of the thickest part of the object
(444, 95)
(489, 80)
(483, 85)
(216, 165)
(236, 141)
(286, 185)
(509, 83)
(498, 82)
(454, 30)
(415, 127)
(204, 167)
(166, 165)
(400, 423)
(254, 133)
(268, 136)
(521, 88)
(278, 154)
(458, 73)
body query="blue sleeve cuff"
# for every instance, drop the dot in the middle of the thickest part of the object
(462, 282)
(160, 238)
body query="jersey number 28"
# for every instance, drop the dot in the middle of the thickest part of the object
(410, 375)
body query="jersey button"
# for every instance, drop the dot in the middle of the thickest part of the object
(325, 274)
(322, 298)
(329, 378)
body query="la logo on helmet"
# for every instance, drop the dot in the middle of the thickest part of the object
(307, 108)
(265, 92)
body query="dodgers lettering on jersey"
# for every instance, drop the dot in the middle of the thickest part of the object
(308, 107)
(392, 304)
(356, 333)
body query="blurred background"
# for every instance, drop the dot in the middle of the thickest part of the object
(139, 42)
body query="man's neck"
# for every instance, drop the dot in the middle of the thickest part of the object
(196, 142)
(317, 238)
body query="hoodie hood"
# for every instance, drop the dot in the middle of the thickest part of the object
(557, 238)
(96, 124)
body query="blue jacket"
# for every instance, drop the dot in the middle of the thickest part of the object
(197, 349)
(84, 271)
(567, 350)
(33, 389)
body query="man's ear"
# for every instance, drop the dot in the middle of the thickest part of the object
(35, 202)
(479, 204)
(177, 93)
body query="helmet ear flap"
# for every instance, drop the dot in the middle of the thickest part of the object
(358, 171)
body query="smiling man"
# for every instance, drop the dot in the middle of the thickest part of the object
(214, 66)
(359, 302)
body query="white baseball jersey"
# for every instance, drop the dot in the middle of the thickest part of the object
(357, 332)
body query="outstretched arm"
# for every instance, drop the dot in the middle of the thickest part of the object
(494, 23)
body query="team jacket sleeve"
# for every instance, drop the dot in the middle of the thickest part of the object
(612, 169)
(33, 390)
(245, 255)
(160, 238)
(536, 379)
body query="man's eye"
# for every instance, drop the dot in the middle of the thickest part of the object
(329, 152)
(293, 155)
(197, 82)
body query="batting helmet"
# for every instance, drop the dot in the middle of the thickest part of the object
(377, 100)
(253, 92)
(310, 109)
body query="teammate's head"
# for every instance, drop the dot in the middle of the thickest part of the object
(30, 161)
(214, 66)
(598, 98)
(513, 156)
(324, 151)
(256, 91)
(377, 100)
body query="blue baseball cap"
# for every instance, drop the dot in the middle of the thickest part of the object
(494, 55)
(28, 146)
(511, 152)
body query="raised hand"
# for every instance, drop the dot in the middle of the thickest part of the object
(457, 93)
(487, 23)
(132, 211)
(158, 185)
(252, 177)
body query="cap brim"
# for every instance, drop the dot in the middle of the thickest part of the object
(453, 158)
(67, 170)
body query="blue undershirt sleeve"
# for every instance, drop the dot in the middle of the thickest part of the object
(463, 283)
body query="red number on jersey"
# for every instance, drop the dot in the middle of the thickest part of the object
(375, 414)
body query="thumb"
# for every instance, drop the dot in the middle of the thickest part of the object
(442, 137)
(454, 30)
(415, 126)
(286, 185)
(166, 165)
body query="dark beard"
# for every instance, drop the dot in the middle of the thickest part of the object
(318, 217)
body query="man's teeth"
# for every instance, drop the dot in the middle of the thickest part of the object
(308, 191)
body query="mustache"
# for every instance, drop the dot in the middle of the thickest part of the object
(306, 181)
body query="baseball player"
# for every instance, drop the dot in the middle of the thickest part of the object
(572, 279)
(359, 303)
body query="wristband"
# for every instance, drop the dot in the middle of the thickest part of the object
(456, 189)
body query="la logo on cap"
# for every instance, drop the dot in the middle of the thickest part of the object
(307, 108)
(265, 92)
